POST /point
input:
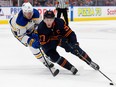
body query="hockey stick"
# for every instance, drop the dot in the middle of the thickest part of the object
(53, 73)
(25, 44)
(112, 83)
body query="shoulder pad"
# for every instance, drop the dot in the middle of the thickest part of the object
(36, 13)
(59, 21)
(21, 20)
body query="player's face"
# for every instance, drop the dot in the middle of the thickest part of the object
(28, 15)
(49, 22)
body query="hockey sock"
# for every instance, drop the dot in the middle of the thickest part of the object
(81, 54)
(38, 55)
(64, 63)
(85, 58)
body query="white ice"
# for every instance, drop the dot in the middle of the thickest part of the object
(19, 68)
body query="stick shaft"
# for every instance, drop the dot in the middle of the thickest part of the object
(46, 62)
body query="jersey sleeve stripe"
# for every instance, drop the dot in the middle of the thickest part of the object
(68, 33)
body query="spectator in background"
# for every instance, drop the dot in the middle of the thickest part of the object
(48, 3)
(94, 2)
(39, 4)
(15, 3)
(42, 2)
(35, 3)
(111, 3)
(115, 2)
(88, 3)
(81, 3)
(100, 2)
(73, 2)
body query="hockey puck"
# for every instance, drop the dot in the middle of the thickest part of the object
(111, 84)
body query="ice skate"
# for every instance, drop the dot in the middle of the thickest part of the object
(48, 63)
(74, 70)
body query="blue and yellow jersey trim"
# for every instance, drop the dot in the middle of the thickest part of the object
(22, 21)
(38, 55)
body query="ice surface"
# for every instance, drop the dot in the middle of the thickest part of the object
(19, 68)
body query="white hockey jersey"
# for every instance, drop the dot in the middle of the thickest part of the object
(22, 26)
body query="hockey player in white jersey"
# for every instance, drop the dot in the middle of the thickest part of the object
(23, 25)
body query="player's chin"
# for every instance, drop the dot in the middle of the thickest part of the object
(29, 17)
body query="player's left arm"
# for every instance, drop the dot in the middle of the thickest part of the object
(37, 18)
(69, 34)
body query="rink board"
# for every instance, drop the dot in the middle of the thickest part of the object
(74, 13)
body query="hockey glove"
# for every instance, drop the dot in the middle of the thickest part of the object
(34, 43)
(35, 36)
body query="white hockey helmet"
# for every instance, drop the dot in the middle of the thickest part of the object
(27, 7)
